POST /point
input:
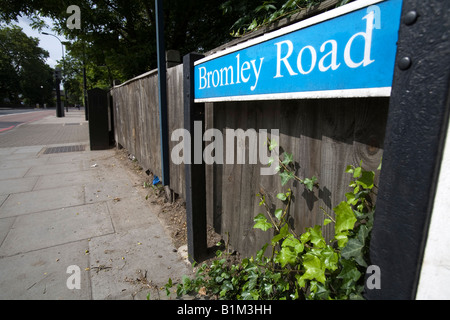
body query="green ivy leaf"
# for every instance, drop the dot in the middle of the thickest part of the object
(285, 177)
(342, 239)
(309, 183)
(288, 158)
(317, 237)
(314, 268)
(294, 243)
(345, 218)
(330, 258)
(278, 213)
(281, 196)
(366, 179)
(319, 291)
(353, 249)
(273, 144)
(351, 198)
(268, 288)
(260, 253)
(349, 274)
(290, 248)
(349, 169)
(357, 172)
(261, 223)
(284, 231)
(305, 237)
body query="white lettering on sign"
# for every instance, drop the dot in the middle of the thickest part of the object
(250, 70)
(283, 56)
(225, 76)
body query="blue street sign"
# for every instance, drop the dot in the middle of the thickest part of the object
(346, 52)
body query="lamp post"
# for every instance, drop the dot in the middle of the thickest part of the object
(63, 71)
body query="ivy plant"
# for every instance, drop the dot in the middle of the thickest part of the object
(298, 266)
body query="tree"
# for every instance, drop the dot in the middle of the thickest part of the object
(23, 71)
(120, 35)
(256, 13)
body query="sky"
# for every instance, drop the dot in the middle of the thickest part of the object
(49, 43)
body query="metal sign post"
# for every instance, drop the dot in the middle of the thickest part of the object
(59, 109)
(162, 91)
(415, 134)
(194, 172)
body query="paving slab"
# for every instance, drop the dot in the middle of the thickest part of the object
(63, 180)
(41, 200)
(3, 197)
(42, 274)
(5, 225)
(9, 186)
(34, 150)
(50, 228)
(132, 212)
(68, 157)
(46, 169)
(7, 151)
(13, 173)
(129, 262)
(115, 189)
(27, 162)
(18, 156)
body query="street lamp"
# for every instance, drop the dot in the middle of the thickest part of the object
(64, 68)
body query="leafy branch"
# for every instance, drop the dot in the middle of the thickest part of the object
(285, 168)
(304, 266)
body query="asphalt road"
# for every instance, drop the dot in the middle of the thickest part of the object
(11, 118)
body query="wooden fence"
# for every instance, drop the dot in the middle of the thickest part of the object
(323, 135)
(136, 115)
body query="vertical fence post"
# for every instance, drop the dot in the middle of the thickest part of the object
(194, 171)
(415, 134)
(162, 92)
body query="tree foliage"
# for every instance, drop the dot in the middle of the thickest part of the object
(23, 71)
(253, 14)
(121, 34)
(257, 13)
(117, 38)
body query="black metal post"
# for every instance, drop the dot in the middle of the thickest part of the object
(194, 172)
(58, 98)
(85, 99)
(415, 133)
(162, 91)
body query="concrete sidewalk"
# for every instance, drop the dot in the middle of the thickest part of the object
(76, 208)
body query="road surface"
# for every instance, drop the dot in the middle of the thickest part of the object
(11, 118)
